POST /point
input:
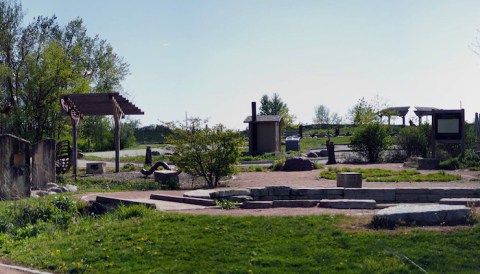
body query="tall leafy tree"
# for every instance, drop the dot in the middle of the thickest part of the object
(324, 116)
(275, 106)
(41, 61)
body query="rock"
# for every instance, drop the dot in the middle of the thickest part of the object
(312, 154)
(424, 215)
(56, 190)
(64, 189)
(80, 155)
(165, 176)
(323, 153)
(42, 193)
(51, 185)
(155, 153)
(298, 164)
(71, 188)
(33, 195)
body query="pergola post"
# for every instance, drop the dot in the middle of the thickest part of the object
(75, 123)
(117, 115)
(75, 116)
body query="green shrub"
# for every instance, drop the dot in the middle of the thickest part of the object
(278, 164)
(414, 141)
(210, 153)
(317, 165)
(370, 140)
(226, 204)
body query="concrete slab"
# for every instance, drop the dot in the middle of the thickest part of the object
(185, 200)
(199, 193)
(428, 215)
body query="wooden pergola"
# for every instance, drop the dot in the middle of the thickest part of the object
(93, 104)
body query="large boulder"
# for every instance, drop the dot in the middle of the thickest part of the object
(298, 164)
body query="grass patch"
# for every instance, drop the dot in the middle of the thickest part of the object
(140, 159)
(312, 143)
(384, 175)
(94, 184)
(138, 240)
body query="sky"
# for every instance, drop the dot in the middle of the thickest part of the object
(212, 58)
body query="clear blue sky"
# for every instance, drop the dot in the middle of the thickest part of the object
(213, 58)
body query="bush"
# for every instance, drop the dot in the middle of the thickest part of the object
(278, 164)
(210, 153)
(27, 218)
(370, 140)
(414, 141)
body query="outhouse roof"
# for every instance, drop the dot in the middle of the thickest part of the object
(265, 119)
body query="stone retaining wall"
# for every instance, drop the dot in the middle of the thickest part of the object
(381, 195)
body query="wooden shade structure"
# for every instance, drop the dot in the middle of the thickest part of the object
(79, 105)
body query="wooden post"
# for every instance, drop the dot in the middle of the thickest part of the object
(117, 115)
(75, 122)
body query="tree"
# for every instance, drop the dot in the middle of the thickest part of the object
(370, 140)
(42, 61)
(210, 153)
(414, 140)
(275, 106)
(363, 112)
(325, 117)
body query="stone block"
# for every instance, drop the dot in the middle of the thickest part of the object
(460, 193)
(165, 177)
(225, 194)
(428, 215)
(278, 190)
(257, 204)
(349, 179)
(14, 167)
(43, 163)
(347, 203)
(295, 203)
(96, 168)
(415, 191)
(240, 198)
(384, 195)
(258, 192)
(461, 201)
(428, 164)
(199, 193)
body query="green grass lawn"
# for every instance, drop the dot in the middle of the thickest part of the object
(384, 175)
(139, 240)
(311, 143)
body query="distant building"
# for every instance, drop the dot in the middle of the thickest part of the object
(264, 133)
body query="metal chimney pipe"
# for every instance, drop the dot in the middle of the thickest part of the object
(253, 128)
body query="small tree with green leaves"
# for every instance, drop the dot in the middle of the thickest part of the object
(370, 140)
(414, 140)
(210, 153)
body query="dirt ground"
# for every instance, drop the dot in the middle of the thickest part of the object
(470, 179)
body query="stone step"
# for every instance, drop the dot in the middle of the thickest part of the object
(295, 203)
(257, 204)
(185, 200)
(347, 204)
(117, 201)
(460, 201)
